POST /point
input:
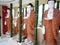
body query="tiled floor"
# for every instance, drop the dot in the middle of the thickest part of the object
(8, 41)
(12, 41)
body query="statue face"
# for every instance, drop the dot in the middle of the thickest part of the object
(28, 8)
(50, 4)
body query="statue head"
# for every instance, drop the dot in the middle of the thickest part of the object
(29, 7)
(51, 3)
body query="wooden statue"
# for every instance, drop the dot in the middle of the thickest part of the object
(16, 28)
(51, 24)
(16, 25)
(7, 20)
(24, 24)
(30, 22)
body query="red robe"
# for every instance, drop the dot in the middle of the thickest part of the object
(4, 13)
(30, 26)
(51, 28)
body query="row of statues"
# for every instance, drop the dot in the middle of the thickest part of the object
(50, 24)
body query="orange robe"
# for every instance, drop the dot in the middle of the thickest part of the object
(30, 27)
(17, 28)
(24, 32)
(8, 23)
(51, 28)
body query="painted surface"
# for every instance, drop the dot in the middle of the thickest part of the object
(8, 24)
(51, 28)
(8, 41)
(30, 26)
(24, 31)
(16, 29)
(4, 13)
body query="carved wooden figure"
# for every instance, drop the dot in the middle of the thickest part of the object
(51, 28)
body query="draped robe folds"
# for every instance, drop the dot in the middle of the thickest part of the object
(51, 28)
(8, 24)
(30, 26)
(24, 31)
(17, 28)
